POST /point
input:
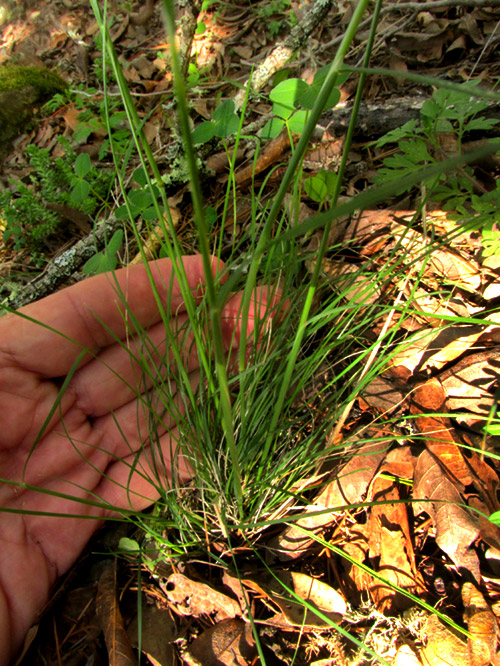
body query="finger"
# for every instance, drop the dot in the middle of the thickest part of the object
(79, 313)
(266, 306)
(120, 374)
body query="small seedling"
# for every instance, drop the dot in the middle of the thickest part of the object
(293, 99)
(107, 259)
(321, 186)
(225, 122)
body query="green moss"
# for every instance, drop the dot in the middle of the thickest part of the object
(43, 81)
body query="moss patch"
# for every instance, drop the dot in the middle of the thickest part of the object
(43, 81)
(22, 89)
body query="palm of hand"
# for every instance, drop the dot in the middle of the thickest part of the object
(88, 446)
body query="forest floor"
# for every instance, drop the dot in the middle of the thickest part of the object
(444, 551)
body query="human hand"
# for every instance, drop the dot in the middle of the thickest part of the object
(93, 437)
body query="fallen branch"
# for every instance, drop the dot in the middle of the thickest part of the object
(283, 51)
(65, 266)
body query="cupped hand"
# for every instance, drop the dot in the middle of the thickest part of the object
(97, 430)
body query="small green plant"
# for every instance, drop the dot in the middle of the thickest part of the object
(277, 15)
(107, 259)
(293, 99)
(454, 113)
(68, 180)
(321, 187)
(224, 123)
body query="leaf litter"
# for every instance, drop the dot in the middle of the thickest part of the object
(407, 508)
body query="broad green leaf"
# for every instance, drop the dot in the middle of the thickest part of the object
(115, 242)
(285, 96)
(495, 518)
(140, 198)
(99, 263)
(117, 118)
(121, 213)
(309, 96)
(79, 192)
(397, 134)
(430, 109)
(204, 132)
(321, 186)
(272, 128)
(129, 545)
(480, 124)
(227, 127)
(226, 120)
(297, 121)
(139, 176)
(200, 28)
(82, 165)
(149, 213)
(416, 150)
(210, 216)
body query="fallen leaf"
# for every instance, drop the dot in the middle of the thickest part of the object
(228, 643)
(429, 398)
(158, 631)
(482, 626)
(189, 597)
(283, 586)
(454, 268)
(470, 383)
(381, 395)
(443, 648)
(406, 657)
(399, 462)
(347, 486)
(120, 651)
(456, 528)
(391, 549)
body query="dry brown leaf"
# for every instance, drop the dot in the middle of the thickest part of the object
(443, 648)
(381, 395)
(154, 239)
(456, 528)
(158, 633)
(120, 651)
(228, 643)
(430, 397)
(454, 268)
(356, 288)
(271, 154)
(390, 547)
(432, 349)
(482, 626)
(189, 597)
(488, 531)
(485, 478)
(399, 462)
(406, 657)
(348, 486)
(284, 585)
(431, 309)
(357, 549)
(469, 384)
(70, 117)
